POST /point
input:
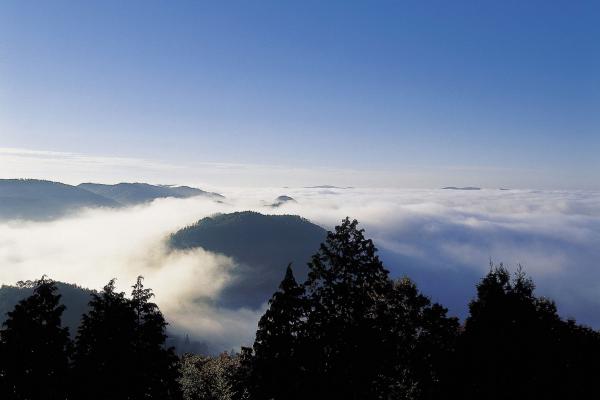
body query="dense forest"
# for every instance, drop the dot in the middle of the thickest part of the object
(349, 331)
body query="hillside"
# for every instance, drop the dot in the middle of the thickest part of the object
(44, 200)
(263, 245)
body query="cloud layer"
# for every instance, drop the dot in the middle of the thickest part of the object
(443, 239)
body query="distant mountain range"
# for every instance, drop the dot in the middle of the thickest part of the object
(136, 193)
(33, 199)
(263, 245)
(461, 188)
(329, 187)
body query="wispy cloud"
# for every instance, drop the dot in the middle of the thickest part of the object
(77, 167)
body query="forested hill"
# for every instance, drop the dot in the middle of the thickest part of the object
(263, 245)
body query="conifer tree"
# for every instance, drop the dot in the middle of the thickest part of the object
(276, 372)
(105, 359)
(344, 340)
(422, 345)
(510, 345)
(34, 347)
(157, 369)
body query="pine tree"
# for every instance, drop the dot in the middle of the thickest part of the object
(276, 372)
(34, 347)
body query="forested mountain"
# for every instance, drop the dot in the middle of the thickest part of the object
(136, 193)
(263, 245)
(43, 200)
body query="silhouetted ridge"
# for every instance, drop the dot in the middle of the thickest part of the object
(281, 200)
(136, 193)
(461, 188)
(43, 200)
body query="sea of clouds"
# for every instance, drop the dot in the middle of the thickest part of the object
(443, 239)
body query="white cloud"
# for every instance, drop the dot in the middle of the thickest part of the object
(444, 239)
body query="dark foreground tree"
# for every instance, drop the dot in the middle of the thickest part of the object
(516, 346)
(274, 367)
(157, 366)
(104, 360)
(421, 341)
(120, 351)
(353, 334)
(367, 336)
(34, 347)
(344, 340)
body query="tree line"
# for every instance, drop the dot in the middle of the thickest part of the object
(349, 331)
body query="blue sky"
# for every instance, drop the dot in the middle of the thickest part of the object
(485, 93)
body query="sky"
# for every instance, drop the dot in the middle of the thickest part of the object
(398, 94)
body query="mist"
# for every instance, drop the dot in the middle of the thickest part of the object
(443, 239)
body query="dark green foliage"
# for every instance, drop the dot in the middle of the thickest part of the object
(275, 370)
(34, 347)
(354, 333)
(344, 341)
(75, 299)
(516, 346)
(120, 350)
(420, 345)
(105, 359)
(157, 369)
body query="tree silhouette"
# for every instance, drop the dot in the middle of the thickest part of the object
(120, 348)
(344, 340)
(275, 369)
(350, 332)
(34, 347)
(516, 346)
(156, 369)
(105, 359)
(421, 343)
